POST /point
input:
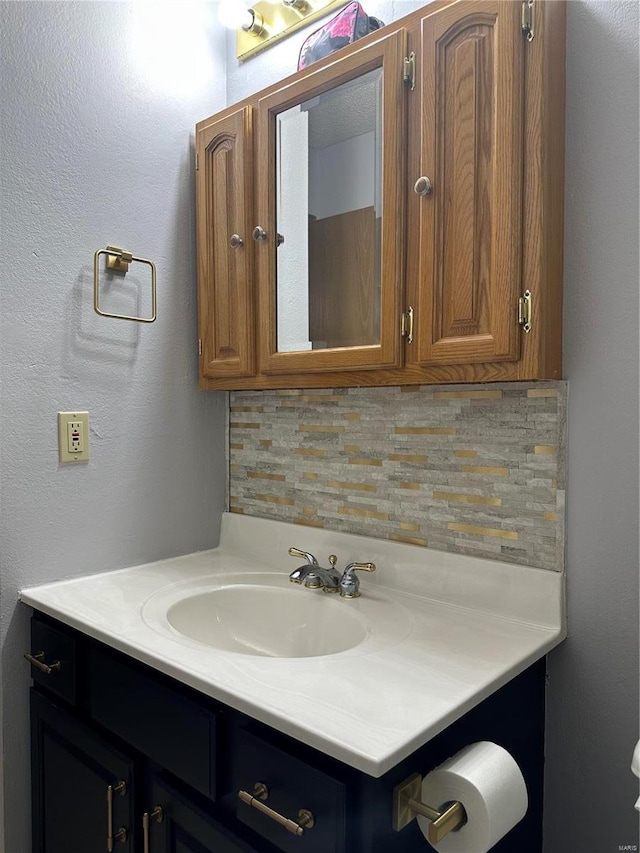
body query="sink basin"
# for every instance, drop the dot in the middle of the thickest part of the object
(262, 614)
(263, 620)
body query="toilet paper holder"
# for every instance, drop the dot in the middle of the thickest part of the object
(407, 804)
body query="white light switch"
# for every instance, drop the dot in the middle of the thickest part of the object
(73, 436)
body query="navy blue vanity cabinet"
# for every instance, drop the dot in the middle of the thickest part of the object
(285, 799)
(354, 810)
(82, 786)
(512, 717)
(132, 761)
(169, 726)
(54, 666)
(174, 824)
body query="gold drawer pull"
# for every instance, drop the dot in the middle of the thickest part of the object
(256, 800)
(157, 814)
(121, 834)
(37, 660)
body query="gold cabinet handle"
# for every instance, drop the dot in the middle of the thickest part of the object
(121, 834)
(37, 660)
(157, 814)
(256, 800)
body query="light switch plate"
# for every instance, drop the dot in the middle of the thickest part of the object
(73, 437)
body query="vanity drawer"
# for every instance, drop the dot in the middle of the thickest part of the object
(293, 787)
(167, 727)
(54, 649)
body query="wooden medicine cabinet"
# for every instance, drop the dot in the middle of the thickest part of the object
(392, 214)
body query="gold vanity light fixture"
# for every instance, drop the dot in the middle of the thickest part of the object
(255, 25)
(267, 22)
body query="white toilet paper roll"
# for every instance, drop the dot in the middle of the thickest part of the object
(485, 778)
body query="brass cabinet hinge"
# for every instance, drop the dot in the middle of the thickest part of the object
(406, 325)
(199, 346)
(197, 164)
(529, 19)
(409, 70)
(524, 311)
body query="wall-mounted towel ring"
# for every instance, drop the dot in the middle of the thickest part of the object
(119, 259)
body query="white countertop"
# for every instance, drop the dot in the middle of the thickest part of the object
(467, 627)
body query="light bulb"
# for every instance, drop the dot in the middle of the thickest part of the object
(233, 14)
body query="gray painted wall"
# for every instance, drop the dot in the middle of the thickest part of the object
(593, 687)
(99, 102)
(592, 709)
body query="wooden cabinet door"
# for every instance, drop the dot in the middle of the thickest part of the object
(330, 261)
(224, 193)
(175, 825)
(465, 238)
(72, 768)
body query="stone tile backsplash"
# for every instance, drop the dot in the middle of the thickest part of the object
(473, 469)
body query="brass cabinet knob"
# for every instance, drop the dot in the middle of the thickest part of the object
(423, 186)
(236, 241)
(259, 233)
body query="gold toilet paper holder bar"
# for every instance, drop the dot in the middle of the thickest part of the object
(407, 804)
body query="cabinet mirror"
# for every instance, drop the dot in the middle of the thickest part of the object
(329, 199)
(328, 207)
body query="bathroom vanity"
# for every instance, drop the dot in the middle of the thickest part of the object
(172, 711)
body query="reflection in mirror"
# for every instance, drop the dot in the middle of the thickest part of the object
(328, 209)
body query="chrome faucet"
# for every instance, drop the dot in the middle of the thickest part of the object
(313, 576)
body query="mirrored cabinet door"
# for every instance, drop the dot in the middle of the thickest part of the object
(224, 197)
(329, 234)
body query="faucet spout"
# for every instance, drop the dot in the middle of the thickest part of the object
(312, 575)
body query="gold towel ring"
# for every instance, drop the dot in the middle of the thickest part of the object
(119, 259)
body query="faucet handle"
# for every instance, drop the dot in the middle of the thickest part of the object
(363, 567)
(296, 552)
(350, 584)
